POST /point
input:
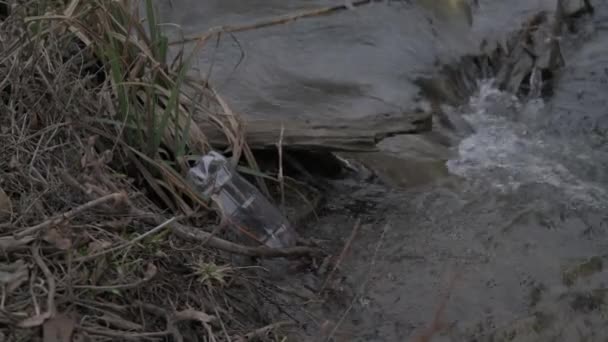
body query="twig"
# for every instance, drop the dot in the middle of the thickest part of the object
(279, 20)
(39, 319)
(50, 279)
(280, 176)
(194, 315)
(437, 323)
(127, 244)
(222, 325)
(178, 316)
(196, 234)
(191, 233)
(342, 254)
(372, 264)
(119, 334)
(259, 333)
(150, 273)
(70, 214)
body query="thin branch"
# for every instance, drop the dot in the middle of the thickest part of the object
(50, 279)
(116, 197)
(196, 234)
(39, 319)
(123, 334)
(279, 20)
(372, 264)
(150, 273)
(342, 254)
(127, 244)
(280, 176)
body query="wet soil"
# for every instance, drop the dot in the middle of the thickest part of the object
(514, 205)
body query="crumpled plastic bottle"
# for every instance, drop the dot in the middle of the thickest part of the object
(241, 203)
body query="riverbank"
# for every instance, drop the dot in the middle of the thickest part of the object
(103, 240)
(102, 237)
(508, 244)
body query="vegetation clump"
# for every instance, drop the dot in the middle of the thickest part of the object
(97, 223)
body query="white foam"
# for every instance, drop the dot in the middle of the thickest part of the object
(504, 154)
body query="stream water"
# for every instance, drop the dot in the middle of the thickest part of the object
(516, 208)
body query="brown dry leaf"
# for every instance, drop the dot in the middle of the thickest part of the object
(13, 275)
(6, 206)
(58, 329)
(54, 237)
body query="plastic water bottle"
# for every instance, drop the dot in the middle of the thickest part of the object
(241, 203)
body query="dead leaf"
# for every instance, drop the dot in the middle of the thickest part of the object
(54, 237)
(13, 275)
(6, 206)
(58, 329)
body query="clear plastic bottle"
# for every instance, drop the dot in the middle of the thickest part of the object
(242, 204)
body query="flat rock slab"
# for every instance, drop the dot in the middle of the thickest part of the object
(361, 134)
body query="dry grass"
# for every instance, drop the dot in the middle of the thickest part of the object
(96, 132)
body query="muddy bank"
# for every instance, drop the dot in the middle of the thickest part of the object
(508, 192)
(520, 218)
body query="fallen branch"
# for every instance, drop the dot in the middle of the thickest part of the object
(196, 234)
(115, 197)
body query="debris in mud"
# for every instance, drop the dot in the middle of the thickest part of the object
(536, 294)
(582, 270)
(588, 302)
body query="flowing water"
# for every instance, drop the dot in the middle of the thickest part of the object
(517, 208)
